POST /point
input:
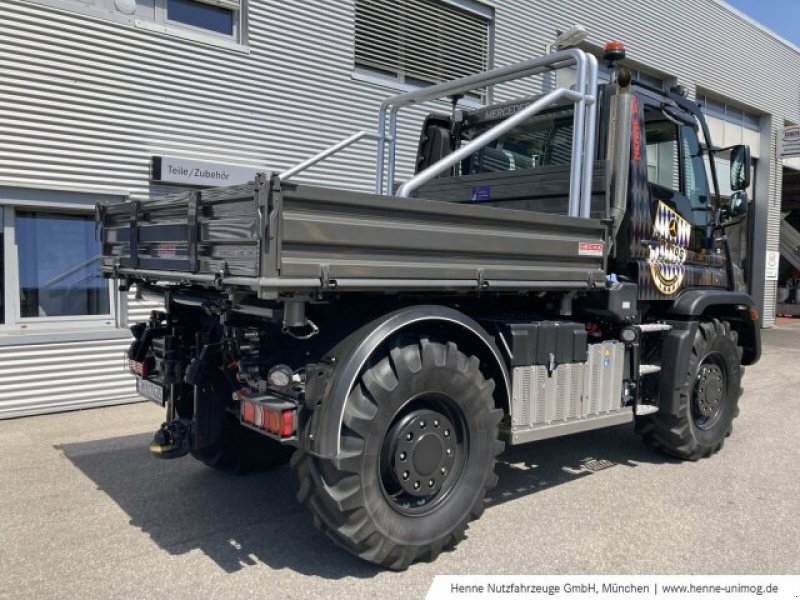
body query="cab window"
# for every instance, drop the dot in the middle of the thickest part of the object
(543, 140)
(675, 164)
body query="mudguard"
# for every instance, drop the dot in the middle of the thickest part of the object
(695, 303)
(330, 382)
(729, 305)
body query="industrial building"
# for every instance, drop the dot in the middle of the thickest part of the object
(101, 100)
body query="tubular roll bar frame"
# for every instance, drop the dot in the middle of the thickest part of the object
(585, 120)
(584, 124)
(310, 162)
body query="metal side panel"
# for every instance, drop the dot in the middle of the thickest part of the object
(54, 377)
(574, 397)
(603, 374)
(366, 236)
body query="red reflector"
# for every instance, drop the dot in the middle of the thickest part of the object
(753, 314)
(287, 423)
(248, 411)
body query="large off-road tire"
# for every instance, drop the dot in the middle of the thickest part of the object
(233, 447)
(706, 403)
(418, 448)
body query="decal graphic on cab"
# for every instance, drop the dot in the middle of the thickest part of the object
(667, 253)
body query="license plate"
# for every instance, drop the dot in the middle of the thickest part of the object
(151, 391)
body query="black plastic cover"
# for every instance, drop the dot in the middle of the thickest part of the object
(617, 303)
(533, 343)
(435, 142)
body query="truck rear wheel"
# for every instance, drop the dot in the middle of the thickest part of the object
(233, 448)
(707, 403)
(418, 448)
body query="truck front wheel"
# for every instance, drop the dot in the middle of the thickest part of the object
(700, 415)
(418, 446)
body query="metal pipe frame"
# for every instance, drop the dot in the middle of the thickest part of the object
(590, 136)
(310, 162)
(527, 68)
(576, 163)
(585, 120)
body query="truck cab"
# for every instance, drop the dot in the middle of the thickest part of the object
(669, 237)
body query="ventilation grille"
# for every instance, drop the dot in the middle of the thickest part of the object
(420, 41)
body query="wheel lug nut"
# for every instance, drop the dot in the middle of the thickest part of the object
(416, 485)
(449, 452)
(405, 474)
(402, 456)
(436, 422)
(422, 424)
(446, 433)
(430, 483)
(443, 471)
(409, 436)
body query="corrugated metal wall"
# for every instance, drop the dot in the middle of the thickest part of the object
(52, 377)
(85, 102)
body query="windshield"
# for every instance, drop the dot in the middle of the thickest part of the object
(543, 140)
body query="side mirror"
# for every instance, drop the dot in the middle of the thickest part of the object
(732, 209)
(737, 205)
(740, 167)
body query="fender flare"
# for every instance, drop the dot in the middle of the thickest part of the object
(346, 361)
(692, 304)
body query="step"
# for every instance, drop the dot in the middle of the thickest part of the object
(643, 410)
(649, 369)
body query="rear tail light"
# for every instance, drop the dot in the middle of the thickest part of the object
(248, 410)
(138, 368)
(277, 419)
(287, 423)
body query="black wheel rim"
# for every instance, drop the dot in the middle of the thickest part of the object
(710, 392)
(423, 454)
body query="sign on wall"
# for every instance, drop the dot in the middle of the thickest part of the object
(773, 262)
(789, 141)
(188, 171)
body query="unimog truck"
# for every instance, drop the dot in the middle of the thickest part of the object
(556, 264)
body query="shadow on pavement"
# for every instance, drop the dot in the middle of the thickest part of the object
(527, 469)
(240, 521)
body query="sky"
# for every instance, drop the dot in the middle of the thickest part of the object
(781, 16)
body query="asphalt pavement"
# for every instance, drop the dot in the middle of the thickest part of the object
(85, 512)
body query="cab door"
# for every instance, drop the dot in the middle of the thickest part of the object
(675, 247)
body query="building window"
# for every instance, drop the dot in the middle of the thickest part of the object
(59, 266)
(422, 41)
(2, 268)
(51, 270)
(202, 14)
(731, 114)
(219, 18)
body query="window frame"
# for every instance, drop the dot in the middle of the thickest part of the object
(397, 82)
(14, 321)
(730, 113)
(104, 10)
